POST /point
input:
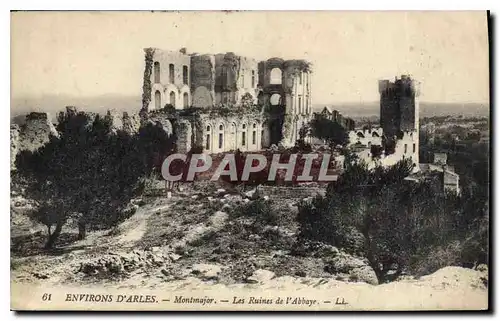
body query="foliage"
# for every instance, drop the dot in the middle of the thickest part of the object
(247, 100)
(389, 145)
(330, 131)
(90, 172)
(396, 224)
(260, 210)
(299, 65)
(146, 86)
(376, 151)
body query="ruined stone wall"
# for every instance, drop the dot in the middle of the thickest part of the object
(161, 119)
(203, 80)
(115, 119)
(32, 135)
(294, 193)
(131, 124)
(36, 131)
(366, 137)
(406, 147)
(184, 136)
(247, 79)
(235, 76)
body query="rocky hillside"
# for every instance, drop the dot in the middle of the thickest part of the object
(197, 241)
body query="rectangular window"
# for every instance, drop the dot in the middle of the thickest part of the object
(414, 148)
(300, 79)
(220, 140)
(300, 104)
(207, 144)
(406, 148)
(254, 137)
(253, 78)
(243, 139)
(185, 75)
(243, 78)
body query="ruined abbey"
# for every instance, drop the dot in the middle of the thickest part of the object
(223, 102)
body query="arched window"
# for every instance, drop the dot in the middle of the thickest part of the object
(157, 72)
(172, 98)
(208, 137)
(243, 135)
(276, 75)
(157, 100)
(185, 98)
(374, 134)
(275, 99)
(221, 136)
(254, 134)
(185, 75)
(171, 75)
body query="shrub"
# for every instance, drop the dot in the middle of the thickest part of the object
(260, 210)
(397, 225)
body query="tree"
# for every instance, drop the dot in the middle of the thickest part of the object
(89, 170)
(330, 131)
(376, 151)
(378, 214)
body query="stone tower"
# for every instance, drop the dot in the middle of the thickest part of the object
(399, 114)
(399, 105)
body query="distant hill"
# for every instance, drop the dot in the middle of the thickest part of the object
(54, 104)
(371, 109)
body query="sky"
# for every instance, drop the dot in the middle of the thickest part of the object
(100, 53)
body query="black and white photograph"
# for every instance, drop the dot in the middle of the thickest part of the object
(250, 160)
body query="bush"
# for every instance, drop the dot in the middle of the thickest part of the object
(397, 225)
(260, 210)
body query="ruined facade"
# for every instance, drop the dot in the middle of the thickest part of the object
(243, 104)
(336, 116)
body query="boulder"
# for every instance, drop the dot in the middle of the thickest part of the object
(356, 268)
(175, 257)
(260, 276)
(220, 192)
(218, 219)
(207, 271)
(252, 194)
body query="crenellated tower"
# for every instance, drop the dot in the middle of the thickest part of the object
(399, 105)
(399, 110)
